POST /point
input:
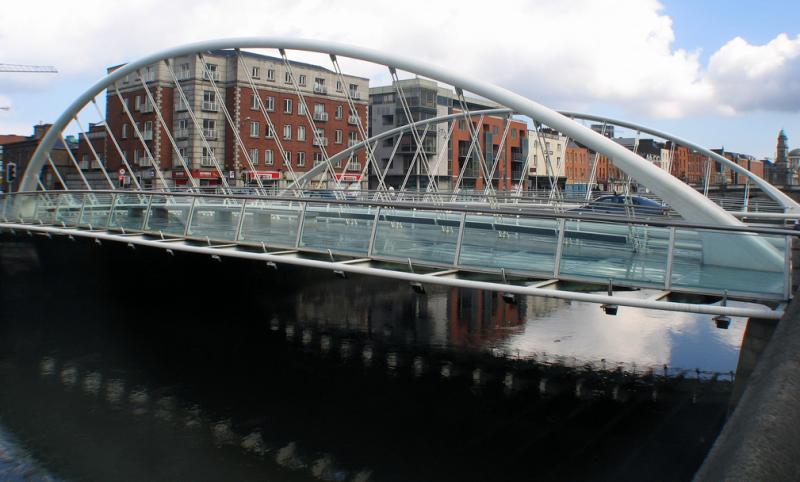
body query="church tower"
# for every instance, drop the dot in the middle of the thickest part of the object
(783, 171)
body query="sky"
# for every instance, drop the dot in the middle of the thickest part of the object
(719, 73)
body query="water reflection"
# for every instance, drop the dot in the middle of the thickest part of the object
(296, 375)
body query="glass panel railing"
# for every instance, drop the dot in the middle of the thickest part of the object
(741, 263)
(129, 211)
(168, 214)
(215, 218)
(69, 208)
(343, 229)
(46, 207)
(23, 207)
(621, 252)
(273, 223)
(512, 243)
(96, 208)
(420, 235)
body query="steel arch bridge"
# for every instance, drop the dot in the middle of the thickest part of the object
(709, 251)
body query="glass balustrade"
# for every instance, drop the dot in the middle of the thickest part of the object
(168, 214)
(340, 228)
(274, 223)
(215, 218)
(95, 210)
(128, 211)
(425, 236)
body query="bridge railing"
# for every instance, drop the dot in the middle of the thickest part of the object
(658, 253)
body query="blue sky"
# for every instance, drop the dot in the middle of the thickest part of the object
(673, 65)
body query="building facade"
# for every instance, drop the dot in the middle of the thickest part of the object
(229, 134)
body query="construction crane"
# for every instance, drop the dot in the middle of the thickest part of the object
(40, 69)
(45, 69)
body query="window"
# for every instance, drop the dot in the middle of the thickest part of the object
(319, 86)
(270, 132)
(149, 74)
(137, 102)
(287, 157)
(182, 154)
(271, 104)
(254, 129)
(125, 102)
(301, 108)
(317, 158)
(184, 71)
(182, 130)
(254, 156)
(301, 80)
(268, 158)
(301, 159)
(124, 131)
(319, 112)
(180, 105)
(254, 102)
(210, 128)
(206, 159)
(354, 93)
(287, 77)
(255, 72)
(287, 106)
(339, 111)
(271, 75)
(338, 86)
(148, 130)
(287, 132)
(211, 72)
(301, 133)
(209, 101)
(338, 136)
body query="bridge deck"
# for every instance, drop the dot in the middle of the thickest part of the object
(633, 253)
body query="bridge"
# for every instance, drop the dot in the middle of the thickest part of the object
(484, 236)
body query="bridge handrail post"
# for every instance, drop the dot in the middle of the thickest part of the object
(147, 211)
(670, 257)
(374, 231)
(6, 200)
(239, 225)
(83, 206)
(787, 267)
(110, 210)
(189, 217)
(559, 247)
(461, 225)
(301, 219)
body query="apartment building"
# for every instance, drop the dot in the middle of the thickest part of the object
(447, 152)
(229, 135)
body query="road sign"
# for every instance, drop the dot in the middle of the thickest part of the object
(121, 171)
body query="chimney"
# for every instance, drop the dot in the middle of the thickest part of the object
(40, 130)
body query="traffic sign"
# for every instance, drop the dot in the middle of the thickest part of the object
(121, 171)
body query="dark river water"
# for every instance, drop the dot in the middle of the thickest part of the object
(118, 364)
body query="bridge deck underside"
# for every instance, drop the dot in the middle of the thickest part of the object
(635, 255)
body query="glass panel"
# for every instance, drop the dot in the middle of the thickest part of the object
(23, 207)
(512, 243)
(737, 262)
(419, 235)
(129, 211)
(95, 210)
(338, 227)
(69, 208)
(46, 206)
(273, 223)
(617, 251)
(168, 214)
(216, 218)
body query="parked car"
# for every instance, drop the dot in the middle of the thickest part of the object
(623, 205)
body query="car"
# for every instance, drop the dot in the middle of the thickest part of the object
(623, 205)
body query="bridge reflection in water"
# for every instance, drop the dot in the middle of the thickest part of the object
(154, 367)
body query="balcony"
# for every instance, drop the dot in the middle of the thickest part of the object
(206, 161)
(210, 106)
(142, 162)
(353, 120)
(181, 133)
(147, 135)
(211, 133)
(355, 95)
(320, 89)
(146, 107)
(352, 142)
(213, 75)
(321, 116)
(320, 141)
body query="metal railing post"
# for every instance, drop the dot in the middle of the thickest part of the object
(670, 258)
(189, 217)
(300, 222)
(559, 247)
(110, 216)
(147, 212)
(374, 232)
(461, 224)
(80, 214)
(239, 225)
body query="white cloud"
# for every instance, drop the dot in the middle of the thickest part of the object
(564, 54)
(752, 77)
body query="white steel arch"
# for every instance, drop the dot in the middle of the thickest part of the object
(692, 205)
